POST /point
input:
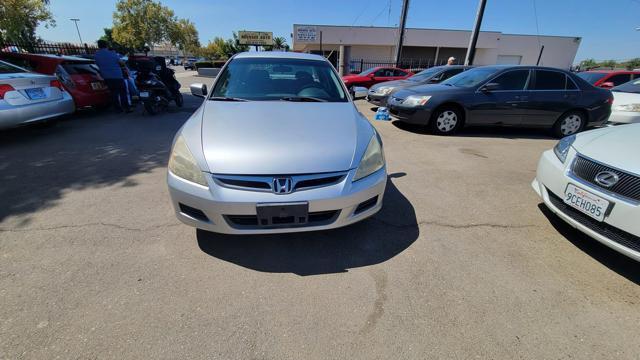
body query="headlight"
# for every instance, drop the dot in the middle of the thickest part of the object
(562, 147)
(372, 160)
(385, 90)
(183, 164)
(627, 108)
(415, 100)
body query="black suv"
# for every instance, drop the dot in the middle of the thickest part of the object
(529, 96)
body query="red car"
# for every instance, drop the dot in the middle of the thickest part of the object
(608, 78)
(375, 75)
(80, 77)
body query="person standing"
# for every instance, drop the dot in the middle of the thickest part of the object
(110, 67)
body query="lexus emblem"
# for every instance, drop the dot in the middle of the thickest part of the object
(282, 185)
(607, 178)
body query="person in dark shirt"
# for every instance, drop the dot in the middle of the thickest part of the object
(110, 67)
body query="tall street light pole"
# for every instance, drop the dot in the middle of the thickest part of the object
(403, 22)
(471, 51)
(77, 29)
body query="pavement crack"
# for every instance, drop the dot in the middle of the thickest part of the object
(454, 226)
(78, 226)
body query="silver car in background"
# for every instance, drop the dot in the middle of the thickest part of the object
(27, 97)
(276, 146)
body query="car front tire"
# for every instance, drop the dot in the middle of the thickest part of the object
(446, 121)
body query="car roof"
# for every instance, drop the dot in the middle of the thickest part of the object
(279, 55)
(612, 71)
(59, 58)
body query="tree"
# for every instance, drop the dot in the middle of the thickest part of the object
(280, 43)
(588, 63)
(633, 64)
(185, 36)
(20, 18)
(137, 23)
(214, 49)
(609, 63)
(108, 37)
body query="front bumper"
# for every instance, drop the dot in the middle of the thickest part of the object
(620, 229)
(417, 116)
(376, 99)
(624, 117)
(221, 206)
(11, 115)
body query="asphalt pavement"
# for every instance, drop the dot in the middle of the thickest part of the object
(462, 262)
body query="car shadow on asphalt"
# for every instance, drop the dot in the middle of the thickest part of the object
(482, 131)
(87, 149)
(369, 242)
(615, 261)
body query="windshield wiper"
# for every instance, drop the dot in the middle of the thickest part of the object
(223, 98)
(302, 99)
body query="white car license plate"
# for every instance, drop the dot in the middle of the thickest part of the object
(144, 94)
(586, 202)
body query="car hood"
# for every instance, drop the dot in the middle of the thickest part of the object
(623, 98)
(277, 137)
(427, 89)
(616, 146)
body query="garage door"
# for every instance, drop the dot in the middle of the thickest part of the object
(509, 59)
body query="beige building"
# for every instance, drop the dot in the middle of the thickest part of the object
(359, 44)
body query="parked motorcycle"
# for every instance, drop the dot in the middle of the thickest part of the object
(157, 85)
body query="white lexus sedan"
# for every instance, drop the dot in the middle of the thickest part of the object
(592, 181)
(276, 146)
(626, 103)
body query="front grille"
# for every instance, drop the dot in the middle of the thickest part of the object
(627, 186)
(265, 182)
(251, 221)
(610, 232)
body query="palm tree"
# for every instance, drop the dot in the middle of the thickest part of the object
(280, 43)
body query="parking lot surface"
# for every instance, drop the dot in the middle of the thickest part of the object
(462, 262)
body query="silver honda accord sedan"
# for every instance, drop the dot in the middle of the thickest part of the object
(276, 146)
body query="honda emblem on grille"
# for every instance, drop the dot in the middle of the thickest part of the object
(607, 178)
(282, 185)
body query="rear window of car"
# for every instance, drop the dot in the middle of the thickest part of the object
(6, 68)
(81, 68)
(591, 77)
(619, 79)
(550, 80)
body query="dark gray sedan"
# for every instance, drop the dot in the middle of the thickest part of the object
(528, 96)
(379, 93)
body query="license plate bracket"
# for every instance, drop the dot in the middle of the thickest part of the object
(35, 93)
(586, 202)
(282, 214)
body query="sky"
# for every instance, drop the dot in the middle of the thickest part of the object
(608, 27)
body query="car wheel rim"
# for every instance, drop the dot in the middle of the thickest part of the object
(570, 125)
(446, 121)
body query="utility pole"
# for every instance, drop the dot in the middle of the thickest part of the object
(77, 29)
(403, 22)
(471, 50)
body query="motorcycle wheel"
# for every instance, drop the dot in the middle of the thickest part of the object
(152, 107)
(179, 99)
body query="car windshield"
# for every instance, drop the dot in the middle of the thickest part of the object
(425, 74)
(367, 72)
(470, 78)
(279, 79)
(591, 77)
(632, 86)
(6, 68)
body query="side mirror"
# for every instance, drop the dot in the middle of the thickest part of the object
(607, 85)
(199, 90)
(490, 87)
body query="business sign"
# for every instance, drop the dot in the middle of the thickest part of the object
(306, 33)
(262, 38)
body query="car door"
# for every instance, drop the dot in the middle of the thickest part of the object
(615, 80)
(382, 75)
(551, 94)
(504, 103)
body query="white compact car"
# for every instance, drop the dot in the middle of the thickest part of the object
(592, 181)
(626, 103)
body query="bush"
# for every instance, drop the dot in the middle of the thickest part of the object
(219, 63)
(203, 64)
